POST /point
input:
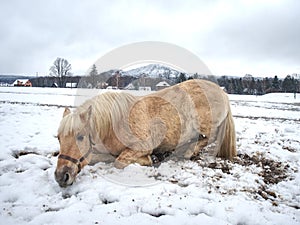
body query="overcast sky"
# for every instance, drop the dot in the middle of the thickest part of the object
(260, 37)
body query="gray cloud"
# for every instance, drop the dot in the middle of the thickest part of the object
(270, 32)
(33, 33)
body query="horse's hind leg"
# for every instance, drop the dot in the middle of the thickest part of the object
(192, 149)
(145, 160)
(195, 149)
(129, 156)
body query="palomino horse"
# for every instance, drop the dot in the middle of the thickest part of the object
(183, 119)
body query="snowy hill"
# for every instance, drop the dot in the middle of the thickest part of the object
(153, 71)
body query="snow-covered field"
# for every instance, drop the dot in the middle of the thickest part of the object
(261, 186)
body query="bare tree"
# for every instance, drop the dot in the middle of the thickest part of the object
(61, 69)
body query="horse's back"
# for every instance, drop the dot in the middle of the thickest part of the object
(178, 114)
(204, 97)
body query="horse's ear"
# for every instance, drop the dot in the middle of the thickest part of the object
(86, 115)
(66, 112)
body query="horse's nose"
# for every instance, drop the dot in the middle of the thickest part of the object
(63, 176)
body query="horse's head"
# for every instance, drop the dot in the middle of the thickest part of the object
(75, 145)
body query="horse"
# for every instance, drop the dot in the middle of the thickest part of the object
(185, 120)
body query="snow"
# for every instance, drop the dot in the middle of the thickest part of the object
(176, 192)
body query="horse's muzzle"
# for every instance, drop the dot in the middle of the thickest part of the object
(64, 176)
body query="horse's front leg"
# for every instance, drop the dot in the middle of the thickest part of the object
(129, 156)
(101, 157)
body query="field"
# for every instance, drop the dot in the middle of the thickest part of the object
(261, 186)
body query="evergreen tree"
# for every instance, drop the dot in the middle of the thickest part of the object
(259, 87)
(288, 84)
(239, 86)
(181, 78)
(267, 85)
(276, 84)
(252, 86)
(231, 86)
(93, 74)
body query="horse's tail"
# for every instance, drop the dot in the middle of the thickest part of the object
(228, 146)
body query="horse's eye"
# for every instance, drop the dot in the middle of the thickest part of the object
(79, 138)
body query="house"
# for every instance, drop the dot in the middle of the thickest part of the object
(162, 85)
(3, 84)
(224, 89)
(22, 83)
(71, 85)
(145, 88)
(112, 88)
(130, 87)
(54, 85)
(102, 85)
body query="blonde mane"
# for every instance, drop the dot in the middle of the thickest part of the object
(107, 108)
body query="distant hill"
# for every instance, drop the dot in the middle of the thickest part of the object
(153, 71)
(148, 75)
(158, 71)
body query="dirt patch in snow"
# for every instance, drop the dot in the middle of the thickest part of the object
(18, 154)
(271, 171)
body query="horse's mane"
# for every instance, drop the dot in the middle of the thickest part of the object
(107, 108)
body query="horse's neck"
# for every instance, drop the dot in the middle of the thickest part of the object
(98, 146)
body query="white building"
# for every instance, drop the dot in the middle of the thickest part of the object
(71, 85)
(162, 85)
(145, 88)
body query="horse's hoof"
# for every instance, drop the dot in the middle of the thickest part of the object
(119, 165)
(155, 161)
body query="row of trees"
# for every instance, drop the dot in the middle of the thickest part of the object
(250, 85)
(259, 86)
(61, 71)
